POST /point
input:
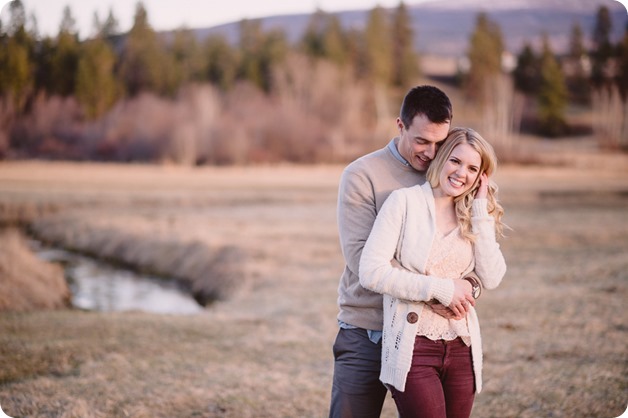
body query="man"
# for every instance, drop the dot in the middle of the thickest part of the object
(423, 124)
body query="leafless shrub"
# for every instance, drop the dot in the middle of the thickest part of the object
(52, 129)
(610, 119)
(344, 106)
(27, 283)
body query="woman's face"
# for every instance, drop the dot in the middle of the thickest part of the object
(460, 171)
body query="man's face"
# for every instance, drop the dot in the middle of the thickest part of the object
(420, 141)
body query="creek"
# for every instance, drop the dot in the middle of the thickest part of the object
(99, 286)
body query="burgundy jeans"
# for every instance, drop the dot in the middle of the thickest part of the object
(440, 383)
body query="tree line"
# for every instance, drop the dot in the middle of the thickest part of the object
(63, 97)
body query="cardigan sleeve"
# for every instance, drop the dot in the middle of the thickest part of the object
(376, 271)
(490, 265)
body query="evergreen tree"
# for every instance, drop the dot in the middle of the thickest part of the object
(356, 53)
(312, 41)
(324, 38)
(96, 86)
(17, 22)
(65, 57)
(16, 58)
(220, 62)
(273, 52)
(578, 80)
(260, 53)
(335, 42)
(622, 74)
(552, 95)
(185, 52)
(378, 47)
(144, 65)
(602, 49)
(405, 60)
(110, 26)
(527, 72)
(15, 72)
(250, 46)
(485, 56)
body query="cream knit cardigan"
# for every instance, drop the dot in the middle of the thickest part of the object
(404, 230)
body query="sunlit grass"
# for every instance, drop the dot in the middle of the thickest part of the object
(553, 333)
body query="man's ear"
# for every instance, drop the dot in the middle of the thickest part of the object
(400, 124)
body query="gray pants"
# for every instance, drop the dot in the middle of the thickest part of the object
(357, 391)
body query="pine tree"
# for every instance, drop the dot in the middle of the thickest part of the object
(324, 38)
(110, 26)
(16, 58)
(622, 74)
(552, 94)
(220, 64)
(485, 55)
(97, 88)
(378, 47)
(335, 42)
(602, 49)
(578, 80)
(312, 40)
(186, 55)
(144, 64)
(260, 53)
(405, 60)
(65, 57)
(527, 72)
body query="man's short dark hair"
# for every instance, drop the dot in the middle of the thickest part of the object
(426, 100)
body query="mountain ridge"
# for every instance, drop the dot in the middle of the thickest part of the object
(444, 27)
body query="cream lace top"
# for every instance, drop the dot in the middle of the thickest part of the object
(449, 257)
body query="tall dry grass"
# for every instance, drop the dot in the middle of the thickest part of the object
(27, 283)
(210, 273)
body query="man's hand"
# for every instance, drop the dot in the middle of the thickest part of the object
(442, 310)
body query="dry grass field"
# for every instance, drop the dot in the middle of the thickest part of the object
(555, 332)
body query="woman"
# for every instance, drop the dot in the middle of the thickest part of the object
(425, 238)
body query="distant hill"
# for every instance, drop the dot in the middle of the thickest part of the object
(443, 27)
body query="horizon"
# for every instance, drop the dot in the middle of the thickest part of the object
(167, 15)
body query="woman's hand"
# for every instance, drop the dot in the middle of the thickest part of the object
(482, 192)
(462, 299)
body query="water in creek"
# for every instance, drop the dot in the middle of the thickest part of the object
(99, 286)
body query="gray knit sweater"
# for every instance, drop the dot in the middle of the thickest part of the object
(364, 186)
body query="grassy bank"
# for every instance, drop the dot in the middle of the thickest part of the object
(27, 283)
(554, 332)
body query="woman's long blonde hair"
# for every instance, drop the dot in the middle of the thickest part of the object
(463, 202)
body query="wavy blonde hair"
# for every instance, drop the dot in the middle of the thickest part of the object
(463, 202)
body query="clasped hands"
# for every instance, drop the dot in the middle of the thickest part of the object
(460, 304)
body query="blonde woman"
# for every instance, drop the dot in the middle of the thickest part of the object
(424, 240)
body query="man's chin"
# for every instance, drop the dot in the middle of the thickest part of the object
(420, 165)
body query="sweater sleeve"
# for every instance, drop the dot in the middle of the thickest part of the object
(378, 274)
(490, 265)
(356, 214)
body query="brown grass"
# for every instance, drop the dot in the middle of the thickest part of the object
(27, 283)
(554, 332)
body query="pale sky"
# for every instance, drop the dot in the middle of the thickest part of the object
(173, 14)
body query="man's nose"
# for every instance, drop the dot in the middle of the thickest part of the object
(431, 150)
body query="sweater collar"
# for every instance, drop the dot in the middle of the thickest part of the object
(395, 152)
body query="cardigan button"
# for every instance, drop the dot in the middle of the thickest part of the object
(412, 317)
